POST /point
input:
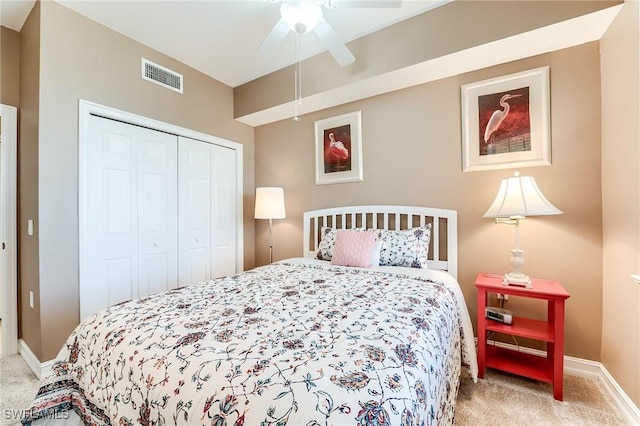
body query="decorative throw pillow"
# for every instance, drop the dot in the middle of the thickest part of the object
(327, 241)
(409, 247)
(353, 248)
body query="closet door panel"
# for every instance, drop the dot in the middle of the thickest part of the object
(119, 285)
(194, 217)
(223, 211)
(109, 272)
(157, 211)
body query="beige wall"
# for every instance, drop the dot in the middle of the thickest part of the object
(454, 27)
(620, 49)
(9, 67)
(80, 59)
(412, 155)
(28, 256)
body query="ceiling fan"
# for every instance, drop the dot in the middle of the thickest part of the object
(302, 16)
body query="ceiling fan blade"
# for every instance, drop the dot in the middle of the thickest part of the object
(337, 48)
(362, 3)
(275, 37)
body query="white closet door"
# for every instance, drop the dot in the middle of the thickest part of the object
(207, 210)
(129, 224)
(223, 211)
(194, 188)
(109, 273)
(157, 211)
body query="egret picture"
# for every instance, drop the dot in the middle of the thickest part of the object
(339, 149)
(505, 122)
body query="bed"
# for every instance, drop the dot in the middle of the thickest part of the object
(303, 341)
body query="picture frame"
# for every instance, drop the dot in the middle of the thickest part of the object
(506, 122)
(338, 149)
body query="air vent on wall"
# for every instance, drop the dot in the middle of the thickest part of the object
(161, 75)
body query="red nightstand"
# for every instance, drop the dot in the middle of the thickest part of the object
(548, 369)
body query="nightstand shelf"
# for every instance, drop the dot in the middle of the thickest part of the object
(524, 327)
(520, 363)
(548, 369)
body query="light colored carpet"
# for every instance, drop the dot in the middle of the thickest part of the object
(505, 399)
(18, 387)
(498, 399)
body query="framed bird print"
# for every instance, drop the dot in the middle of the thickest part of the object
(505, 122)
(339, 149)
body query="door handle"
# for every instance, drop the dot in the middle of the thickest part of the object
(3, 245)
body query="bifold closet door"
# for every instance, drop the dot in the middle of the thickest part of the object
(194, 211)
(224, 208)
(207, 210)
(129, 214)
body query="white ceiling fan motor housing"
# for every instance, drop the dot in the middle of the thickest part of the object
(301, 15)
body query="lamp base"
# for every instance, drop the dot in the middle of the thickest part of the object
(518, 279)
(515, 277)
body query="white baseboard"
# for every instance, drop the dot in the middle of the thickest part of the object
(622, 400)
(592, 370)
(40, 369)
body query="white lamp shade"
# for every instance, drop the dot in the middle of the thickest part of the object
(269, 203)
(518, 197)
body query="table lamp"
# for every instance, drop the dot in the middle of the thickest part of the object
(270, 205)
(518, 197)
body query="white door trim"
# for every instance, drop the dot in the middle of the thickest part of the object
(8, 229)
(87, 108)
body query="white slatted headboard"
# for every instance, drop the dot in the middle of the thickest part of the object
(443, 250)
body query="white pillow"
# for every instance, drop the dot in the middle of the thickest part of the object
(409, 247)
(375, 254)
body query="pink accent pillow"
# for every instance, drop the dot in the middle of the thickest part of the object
(353, 248)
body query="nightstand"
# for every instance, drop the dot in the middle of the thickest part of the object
(548, 369)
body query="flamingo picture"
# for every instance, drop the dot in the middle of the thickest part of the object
(337, 150)
(498, 117)
(337, 155)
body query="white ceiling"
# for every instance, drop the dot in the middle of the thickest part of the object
(220, 38)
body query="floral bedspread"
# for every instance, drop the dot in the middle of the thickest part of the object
(287, 343)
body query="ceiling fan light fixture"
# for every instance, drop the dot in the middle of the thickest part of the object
(301, 15)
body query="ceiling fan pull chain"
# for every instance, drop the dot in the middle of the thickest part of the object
(295, 95)
(297, 82)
